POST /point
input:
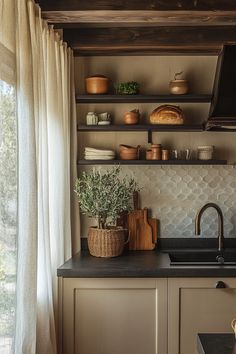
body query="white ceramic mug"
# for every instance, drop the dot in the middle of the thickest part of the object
(104, 116)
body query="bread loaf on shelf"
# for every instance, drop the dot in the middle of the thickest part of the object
(167, 114)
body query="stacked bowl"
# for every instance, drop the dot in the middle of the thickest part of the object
(129, 152)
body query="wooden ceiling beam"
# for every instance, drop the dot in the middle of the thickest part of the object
(144, 18)
(160, 5)
(149, 39)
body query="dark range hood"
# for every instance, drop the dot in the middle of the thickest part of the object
(223, 105)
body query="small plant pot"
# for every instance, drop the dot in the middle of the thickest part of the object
(106, 242)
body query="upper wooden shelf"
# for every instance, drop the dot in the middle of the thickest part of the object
(194, 98)
(152, 162)
(142, 127)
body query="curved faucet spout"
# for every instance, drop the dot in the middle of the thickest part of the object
(220, 223)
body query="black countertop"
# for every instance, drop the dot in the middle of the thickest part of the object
(136, 264)
(216, 343)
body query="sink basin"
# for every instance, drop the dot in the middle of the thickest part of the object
(202, 258)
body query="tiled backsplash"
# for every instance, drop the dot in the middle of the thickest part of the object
(175, 194)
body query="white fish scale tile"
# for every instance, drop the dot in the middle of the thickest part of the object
(175, 194)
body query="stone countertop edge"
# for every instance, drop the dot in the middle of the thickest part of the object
(216, 343)
(136, 264)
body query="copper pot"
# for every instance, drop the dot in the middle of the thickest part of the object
(97, 84)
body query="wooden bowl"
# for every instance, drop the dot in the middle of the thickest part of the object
(128, 148)
(128, 156)
(129, 152)
(97, 85)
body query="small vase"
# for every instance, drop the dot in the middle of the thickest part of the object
(178, 87)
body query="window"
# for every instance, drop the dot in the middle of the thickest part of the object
(8, 215)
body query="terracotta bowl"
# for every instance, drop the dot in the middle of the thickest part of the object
(97, 85)
(129, 152)
(131, 117)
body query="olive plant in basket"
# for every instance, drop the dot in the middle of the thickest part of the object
(104, 195)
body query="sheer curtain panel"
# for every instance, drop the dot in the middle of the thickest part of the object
(46, 113)
(8, 178)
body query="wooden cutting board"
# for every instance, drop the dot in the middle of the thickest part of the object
(142, 230)
(133, 222)
(155, 225)
(144, 237)
(141, 237)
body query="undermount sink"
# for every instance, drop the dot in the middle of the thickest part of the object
(202, 258)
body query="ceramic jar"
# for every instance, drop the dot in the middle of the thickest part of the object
(156, 152)
(97, 84)
(205, 152)
(131, 117)
(178, 87)
(165, 155)
(91, 118)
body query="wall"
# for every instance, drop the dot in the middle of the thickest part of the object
(7, 16)
(174, 193)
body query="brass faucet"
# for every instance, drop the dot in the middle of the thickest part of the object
(220, 223)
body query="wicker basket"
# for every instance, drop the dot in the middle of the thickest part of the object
(106, 242)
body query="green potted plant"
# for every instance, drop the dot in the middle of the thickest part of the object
(127, 88)
(103, 195)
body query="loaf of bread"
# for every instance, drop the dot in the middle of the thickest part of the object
(167, 114)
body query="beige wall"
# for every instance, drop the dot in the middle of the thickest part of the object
(7, 25)
(154, 73)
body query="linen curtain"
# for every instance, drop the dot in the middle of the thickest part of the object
(47, 159)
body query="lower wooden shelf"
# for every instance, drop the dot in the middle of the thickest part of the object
(152, 162)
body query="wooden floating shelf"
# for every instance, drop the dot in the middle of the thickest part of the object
(201, 98)
(141, 128)
(152, 162)
(220, 129)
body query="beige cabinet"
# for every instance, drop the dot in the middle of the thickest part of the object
(113, 316)
(196, 306)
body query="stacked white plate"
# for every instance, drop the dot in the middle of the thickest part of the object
(98, 154)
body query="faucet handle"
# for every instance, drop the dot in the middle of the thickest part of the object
(220, 259)
(220, 285)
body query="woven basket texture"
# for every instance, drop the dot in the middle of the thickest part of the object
(106, 242)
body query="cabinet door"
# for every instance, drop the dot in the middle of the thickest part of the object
(197, 306)
(114, 316)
